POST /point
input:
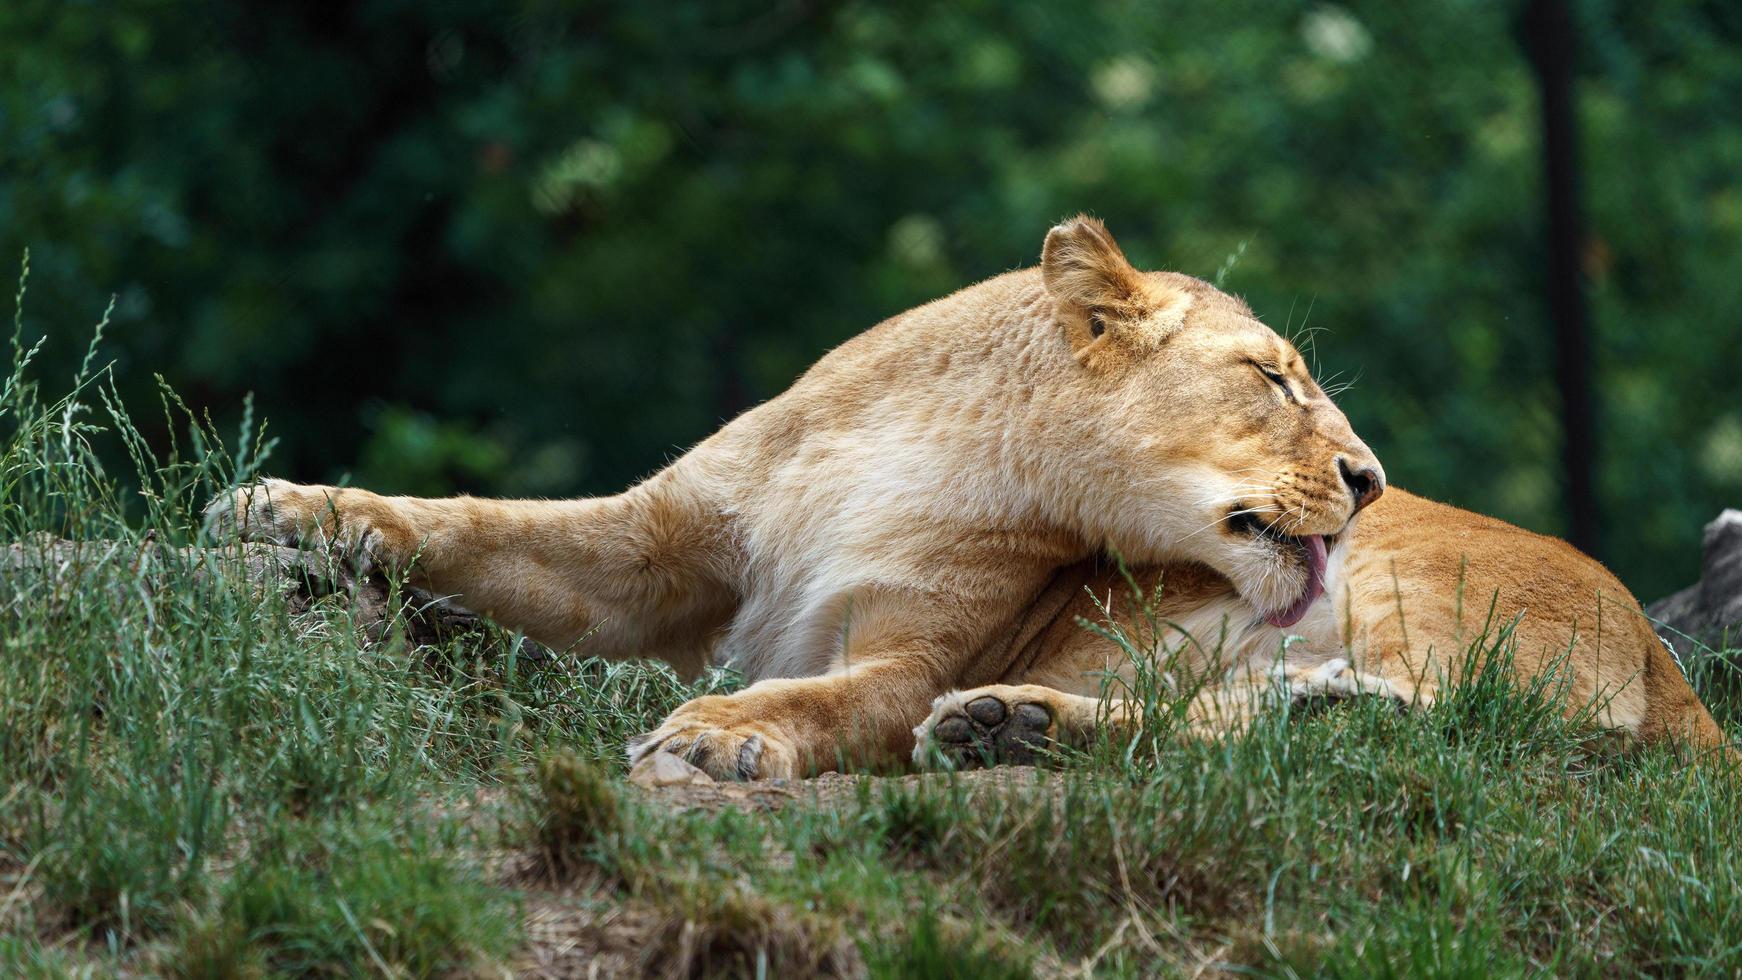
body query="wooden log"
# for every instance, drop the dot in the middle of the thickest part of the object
(422, 618)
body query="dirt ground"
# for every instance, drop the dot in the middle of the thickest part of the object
(584, 929)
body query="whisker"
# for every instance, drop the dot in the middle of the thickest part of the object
(1345, 386)
(1246, 488)
(1237, 497)
(1226, 517)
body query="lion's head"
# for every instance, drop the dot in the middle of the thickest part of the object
(1223, 448)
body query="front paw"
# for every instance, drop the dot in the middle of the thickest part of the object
(295, 516)
(270, 511)
(709, 734)
(987, 726)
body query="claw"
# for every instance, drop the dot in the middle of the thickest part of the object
(749, 754)
(636, 744)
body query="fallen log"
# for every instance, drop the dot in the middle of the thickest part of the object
(1709, 612)
(304, 577)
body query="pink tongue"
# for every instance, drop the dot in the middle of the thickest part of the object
(1315, 554)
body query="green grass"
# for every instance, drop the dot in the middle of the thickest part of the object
(198, 778)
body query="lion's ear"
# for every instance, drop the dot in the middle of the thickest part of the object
(1082, 265)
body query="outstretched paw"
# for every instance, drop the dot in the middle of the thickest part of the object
(297, 516)
(986, 726)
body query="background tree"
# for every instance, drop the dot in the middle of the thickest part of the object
(539, 247)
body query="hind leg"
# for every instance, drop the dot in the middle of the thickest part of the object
(1009, 723)
(1017, 723)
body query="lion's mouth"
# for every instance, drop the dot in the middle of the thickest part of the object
(1312, 549)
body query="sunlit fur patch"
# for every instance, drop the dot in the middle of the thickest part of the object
(1164, 320)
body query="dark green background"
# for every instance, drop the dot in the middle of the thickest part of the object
(538, 248)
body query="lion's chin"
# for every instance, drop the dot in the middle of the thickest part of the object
(1313, 547)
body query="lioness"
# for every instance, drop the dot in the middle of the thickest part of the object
(894, 525)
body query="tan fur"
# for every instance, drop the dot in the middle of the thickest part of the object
(894, 525)
(1418, 585)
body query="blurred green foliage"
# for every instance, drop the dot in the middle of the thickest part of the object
(528, 246)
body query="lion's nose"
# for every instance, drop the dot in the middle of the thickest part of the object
(1365, 482)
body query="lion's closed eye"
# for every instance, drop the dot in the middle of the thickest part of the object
(1274, 376)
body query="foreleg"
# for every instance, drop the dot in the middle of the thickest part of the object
(642, 573)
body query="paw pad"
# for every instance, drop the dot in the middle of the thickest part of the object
(988, 711)
(985, 732)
